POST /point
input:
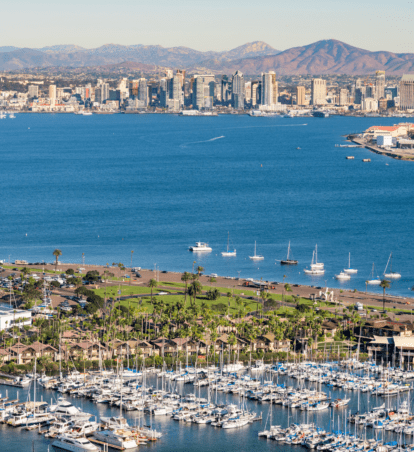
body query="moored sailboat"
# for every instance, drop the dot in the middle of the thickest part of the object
(288, 260)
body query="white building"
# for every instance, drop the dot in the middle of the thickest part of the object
(10, 318)
(384, 140)
(270, 91)
(318, 91)
(369, 104)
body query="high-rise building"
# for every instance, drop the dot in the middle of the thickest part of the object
(52, 92)
(360, 95)
(33, 91)
(270, 91)
(318, 91)
(104, 92)
(407, 92)
(143, 91)
(343, 97)
(371, 91)
(238, 90)
(254, 93)
(163, 92)
(300, 95)
(203, 91)
(248, 92)
(379, 84)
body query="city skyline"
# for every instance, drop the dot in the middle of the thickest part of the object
(366, 25)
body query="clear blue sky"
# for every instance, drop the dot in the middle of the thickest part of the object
(209, 24)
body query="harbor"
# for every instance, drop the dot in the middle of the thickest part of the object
(327, 406)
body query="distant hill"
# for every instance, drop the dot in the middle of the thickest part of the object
(75, 56)
(322, 57)
(7, 49)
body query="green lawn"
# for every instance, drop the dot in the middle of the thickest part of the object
(343, 346)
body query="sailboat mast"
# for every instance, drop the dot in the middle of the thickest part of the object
(228, 240)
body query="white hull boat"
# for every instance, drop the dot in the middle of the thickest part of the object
(256, 257)
(67, 442)
(200, 247)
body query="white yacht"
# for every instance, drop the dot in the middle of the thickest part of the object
(228, 252)
(373, 281)
(343, 276)
(391, 274)
(119, 438)
(65, 408)
(200, 246)
(86, 113)
(256, 257)
(68, 442)
(350, 270)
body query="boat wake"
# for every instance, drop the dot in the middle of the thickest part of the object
(205, 141)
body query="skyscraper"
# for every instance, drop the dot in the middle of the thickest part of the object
(318, 91)
(52, 94)
(300, 95)
(33, 91)
(203, 91)
(270, 92)
(254, 93)
(379, 84)
(407, 92)
(238, 90)
(143, 91)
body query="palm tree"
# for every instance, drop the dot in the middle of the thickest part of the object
(185, 278)
(200, 269)
(287, 288)
(57, 253)
(229, 296)
(151, 284)
(385, 284)
(195, 289)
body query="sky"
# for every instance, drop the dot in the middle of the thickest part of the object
(209, 24)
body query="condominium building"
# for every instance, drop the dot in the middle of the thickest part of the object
(203, 91)
(318, 91)
(52, 92)
(407, 92)
(143, 91)
(270, 92)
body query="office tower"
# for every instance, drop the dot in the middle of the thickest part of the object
(169, 73)
(104, 92)
(225, 88)
(217, 91)
(33, 91)
(379, 84)
(318, 91)
(181, 73)
(371, 91)
(360, 94)
(269, 88)
(143, 92)
(407, 92)
(300, 95)
(163, 92)
(98, 95)
(238, 90)
(203, 91)
(133, 88)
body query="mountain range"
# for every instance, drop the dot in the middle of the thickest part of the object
(322, 57)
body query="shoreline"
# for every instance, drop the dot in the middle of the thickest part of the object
(342, 297)
(377, 150)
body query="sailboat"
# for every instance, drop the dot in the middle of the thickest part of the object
(391, 274)
(256, 257)
(349, 269)
(316, 267)
(288, 261)
(373, 281)
(228, 253)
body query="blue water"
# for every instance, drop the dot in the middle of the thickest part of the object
(179, 436)
(108, 184)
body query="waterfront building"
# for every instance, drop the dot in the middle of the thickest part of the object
(407, 92)
(379, 84)
(33, 91)
(104, 92)
(270, 92)
(318, 91)
(52, 93)
(371, 91)
(225, 89)
(300, 95)
(360, 94)
(238, 91)
(248, 92)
